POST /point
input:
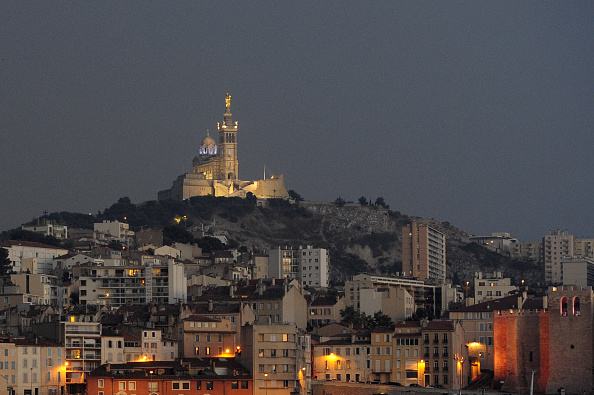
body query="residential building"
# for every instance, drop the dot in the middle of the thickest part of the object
(273, 300)
(48, 228)
(344, 358)
(362, 292)
(82, 339)
(158, 280)
(323, 310)
(118, 230)
(423, 252)
(42, 254)
(197, 376)
(556, 246)
(491, 286)
(203, 336)
(308, 265)
(499, 242)
(531, 250)
(578, 270)
(279, 357)
(477, 321)
(39, 367)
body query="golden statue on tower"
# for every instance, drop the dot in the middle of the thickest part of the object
(228, 100)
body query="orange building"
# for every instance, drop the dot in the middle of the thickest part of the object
(194, 376)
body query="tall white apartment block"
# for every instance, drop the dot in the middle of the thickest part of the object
(556, 246)
(314, 266)
(308, 265)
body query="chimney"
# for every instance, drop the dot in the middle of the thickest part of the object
(210, 305)
(231, 290)
(108, 367)
(272, 281)
(545, 302)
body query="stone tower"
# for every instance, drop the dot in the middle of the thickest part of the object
(571, 343)
(228, 145)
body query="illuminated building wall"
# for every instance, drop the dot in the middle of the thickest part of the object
(423, 252)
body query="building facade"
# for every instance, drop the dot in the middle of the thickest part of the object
(556, 246)
(423, 252)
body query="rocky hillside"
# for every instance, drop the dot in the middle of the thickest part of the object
(359, 238)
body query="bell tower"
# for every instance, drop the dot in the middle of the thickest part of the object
(228, 145)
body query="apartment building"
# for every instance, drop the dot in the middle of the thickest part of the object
(157, 280)
(342, 358)
(279, 357)
(556, 246)
(203, 336)
(491, 286)
(423, 252)
(310, 266)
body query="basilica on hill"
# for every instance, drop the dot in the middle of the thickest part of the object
(215, 171)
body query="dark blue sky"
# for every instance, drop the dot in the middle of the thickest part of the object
(477, 113)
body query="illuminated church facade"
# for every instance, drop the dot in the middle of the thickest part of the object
(215, 171)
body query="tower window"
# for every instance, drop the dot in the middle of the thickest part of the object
(564, 306)
(576, 306)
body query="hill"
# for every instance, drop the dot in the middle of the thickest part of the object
(360, 238)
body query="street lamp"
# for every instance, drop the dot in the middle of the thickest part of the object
(151, 383)
(266, 383)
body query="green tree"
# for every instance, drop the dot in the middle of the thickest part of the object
(5, 264)
(380, 202)
(294, 195)
(340, 201)
(363, 201)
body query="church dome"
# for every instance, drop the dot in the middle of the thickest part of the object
(208, 146)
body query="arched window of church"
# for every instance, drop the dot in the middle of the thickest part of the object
(576, 306)
(564, 306)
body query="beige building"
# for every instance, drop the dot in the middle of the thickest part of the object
(556, 246)
(279, 358)
(345, 359)
(584, 247)
(423, 252)
(491, 286)
(39, 367)
(215, 171)
(368, 293)
(421, 353)
(203, 336)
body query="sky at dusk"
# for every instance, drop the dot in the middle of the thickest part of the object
(473, 112)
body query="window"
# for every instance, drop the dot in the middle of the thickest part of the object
(244, 385)
(576, 306)
(285, 337)
(122, 385)
(261, 353)
(207, 350)
(197, 338)
(199, 385)
(132, 385)
(186, 385)
(209, 385)
(153, 386)
(273, 352)
(196, 350)
(234, 385)
(100, 383)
